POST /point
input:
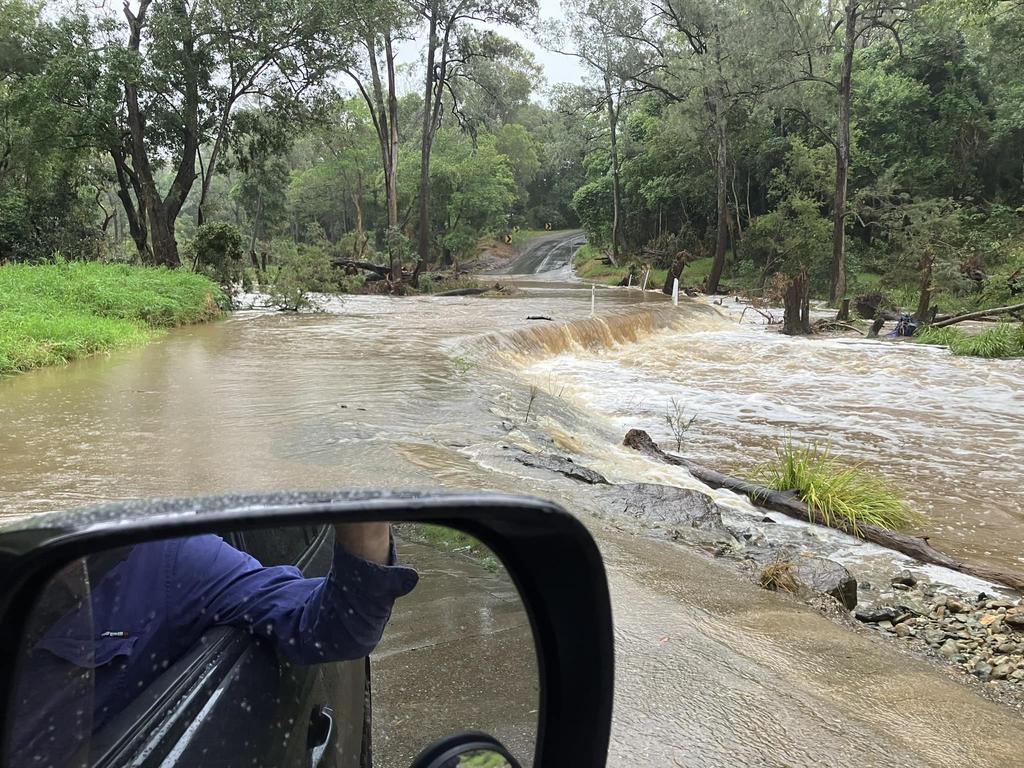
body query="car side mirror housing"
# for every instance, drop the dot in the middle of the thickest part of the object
(549, 555)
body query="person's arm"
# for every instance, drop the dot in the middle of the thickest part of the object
(370, 541)
(341, 616)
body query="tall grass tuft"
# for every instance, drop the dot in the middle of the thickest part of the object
(1000, 341)
(846, 496)
(51, 314)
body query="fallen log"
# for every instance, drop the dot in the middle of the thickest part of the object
(787, 503)
(368, 266)
(978, 314)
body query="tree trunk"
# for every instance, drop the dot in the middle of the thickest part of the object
(797, 320)
(424, 249)
(722, 238)
(385, 112)
(613, 119)
(161, 233)
(837, 287)
(925, 299)
(256, 221)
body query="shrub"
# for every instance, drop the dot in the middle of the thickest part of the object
(1003, 340)
(843, 496)
(218, 251)
(301, 270)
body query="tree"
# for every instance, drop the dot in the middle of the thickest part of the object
(374, 76)
(836, 31)
(592, 33)
(451, 45)
(179, 68)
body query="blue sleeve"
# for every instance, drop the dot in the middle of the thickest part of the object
(335, 618)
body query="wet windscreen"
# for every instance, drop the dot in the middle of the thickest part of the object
(298, 646)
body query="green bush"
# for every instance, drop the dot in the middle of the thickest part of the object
(301, 270)
(218, 250)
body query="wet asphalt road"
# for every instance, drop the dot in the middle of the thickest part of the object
(548, 253)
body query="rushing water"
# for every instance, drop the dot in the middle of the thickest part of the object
(948, 432)
(430, 392)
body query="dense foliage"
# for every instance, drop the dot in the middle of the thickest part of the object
(871, 144)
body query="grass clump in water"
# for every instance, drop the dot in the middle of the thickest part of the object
(1001, 341)
(51, 314)
(843, 496)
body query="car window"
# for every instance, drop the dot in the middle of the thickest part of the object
(277, 546)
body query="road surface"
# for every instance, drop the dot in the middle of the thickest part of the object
(548, 253)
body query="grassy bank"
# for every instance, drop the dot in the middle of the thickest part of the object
(1002, 340)
(590, 264)
(51, 314)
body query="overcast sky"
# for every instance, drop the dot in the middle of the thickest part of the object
(557, 68)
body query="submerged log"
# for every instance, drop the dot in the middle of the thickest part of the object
(787, 503)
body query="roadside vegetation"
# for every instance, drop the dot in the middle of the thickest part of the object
(449, 540)
(1002, 340)
(843, 495)
(841, 151)
(51, 314)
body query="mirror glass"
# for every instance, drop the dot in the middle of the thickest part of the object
(346, 646)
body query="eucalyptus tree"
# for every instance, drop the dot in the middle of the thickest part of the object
(172, 74)
(452, 44)
(822, 41)
(593, 32)
(375, 36)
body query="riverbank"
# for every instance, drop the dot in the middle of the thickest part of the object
(51, 314)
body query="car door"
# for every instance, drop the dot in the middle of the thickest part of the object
(231, 701)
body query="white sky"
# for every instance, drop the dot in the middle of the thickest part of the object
(557, 68)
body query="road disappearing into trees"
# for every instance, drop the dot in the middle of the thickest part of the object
(548, 253)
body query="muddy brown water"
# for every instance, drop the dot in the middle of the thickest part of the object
(427, 392)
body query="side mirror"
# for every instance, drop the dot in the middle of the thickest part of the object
(466, 749)
(537, 566)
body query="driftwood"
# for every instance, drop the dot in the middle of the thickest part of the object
(364, 265)
(788, 504)
(979, 314)
(539, 317)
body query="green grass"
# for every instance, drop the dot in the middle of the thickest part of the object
(842, 495)
(1000, 341)
(51, 314)
(450, 540)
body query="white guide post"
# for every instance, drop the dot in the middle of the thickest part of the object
(675, 292)
(593, 298)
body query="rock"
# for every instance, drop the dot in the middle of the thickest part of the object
(665, 505)
(877, 614)
(949, 649)
(903, 630)
(1018, 675)
(956, 606)
(905, 579)
(828, 577)
(900, 587)
(992, 621)
(934, 636)
(1007, 648)
(1015, 620)
(982, 670)
(767, 519)
(563, 465)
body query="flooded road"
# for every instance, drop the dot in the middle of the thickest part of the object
(431, 392)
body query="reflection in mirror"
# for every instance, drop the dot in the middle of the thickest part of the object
(479, 758)
(254, 648)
